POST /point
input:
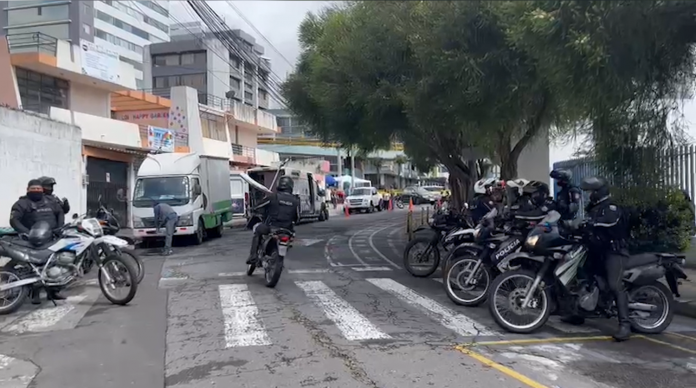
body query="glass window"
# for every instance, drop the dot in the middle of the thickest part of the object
(187, 59)
(234, 61)
(86, 28)
(247, 86)
(39, 92)
(16, 17)
(160, 82)
(248, 96)
(196, 81)
(235, 82)
(200, 58)
(58, 31)
(86, 8)
(171, 60)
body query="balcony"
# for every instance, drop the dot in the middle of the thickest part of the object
(243, 154)
(102, 131)
(266, 121)
(244, 113)
(35, 42)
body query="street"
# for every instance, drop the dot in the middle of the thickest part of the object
(344, 314)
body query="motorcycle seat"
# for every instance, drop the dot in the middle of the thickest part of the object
(641, 259)
(37, 255)
(27, 244)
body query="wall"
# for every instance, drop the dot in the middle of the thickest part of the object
(9, 93)
(218, 74)
(88, 100)
(34, 146)
(266, 158)
(102, 130)
(245, 137)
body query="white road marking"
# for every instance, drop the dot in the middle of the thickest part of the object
(377, 251)
(231, 274)
(350, 246)
(242, 324)
(15, 373)
(370, 269)
(43, 318)
(460, 324)
(353, 325)
(327, 253)
(314, 270)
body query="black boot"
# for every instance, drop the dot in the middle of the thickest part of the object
(36, 295)
(254, 248)
(624, 332)
(54, 295)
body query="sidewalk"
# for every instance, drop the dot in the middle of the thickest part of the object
(686, 303)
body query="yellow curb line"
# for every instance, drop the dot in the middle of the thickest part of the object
(536, 341)
(500, 368)
(666, 344)
(681, 336)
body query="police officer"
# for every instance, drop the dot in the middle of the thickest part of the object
(280, 210)
(568, 198)
(30, 209)
(608, 240)
(48, 183)
(482, 202)
(165, 217)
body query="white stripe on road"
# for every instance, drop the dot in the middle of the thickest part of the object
(352, 250)
(458, 323)
(44, 318)
(231, 274)
(353, 325)
(311, 270)
(242, 324)
(15, 373)
(370, 269)
(372, 244)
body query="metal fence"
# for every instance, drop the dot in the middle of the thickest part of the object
(34, 42)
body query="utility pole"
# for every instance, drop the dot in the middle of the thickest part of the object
(352, 169)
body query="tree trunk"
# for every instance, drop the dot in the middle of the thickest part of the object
(460, 185)
(508, 167)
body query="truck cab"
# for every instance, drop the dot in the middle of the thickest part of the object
(364, 198)
(196, 187)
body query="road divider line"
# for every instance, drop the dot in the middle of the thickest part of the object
(231, 274)
(243, 326)
(353, 325)
(460, 324)
(314, 270)
(372, 245)
(439, 280)
(327, 251)
(370, 269)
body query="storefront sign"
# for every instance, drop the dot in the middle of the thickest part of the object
(142, 115)
(100, 62)
(160, 139)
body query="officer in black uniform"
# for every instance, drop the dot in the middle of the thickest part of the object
(568, 198)
(278, 210)
(608, 240)
(30, 209)
(48, 183)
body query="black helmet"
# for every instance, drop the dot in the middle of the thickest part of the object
(47, 181)
(537, 191)
(285, 184)
(598, 188)
(561, 176)
(40, 233)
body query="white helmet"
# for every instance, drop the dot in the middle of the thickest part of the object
(518, 184)
(481, 187)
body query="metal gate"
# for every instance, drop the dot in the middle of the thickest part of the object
(106, 177)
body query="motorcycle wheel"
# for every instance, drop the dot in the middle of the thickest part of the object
(399, 203)
(496, 300)
(127, 274)
(137, 263)
(665, 311)
(19, 298)
(273, 269)
(458, 273)
(430, 250)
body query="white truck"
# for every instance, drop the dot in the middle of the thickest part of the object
(364, 198)
(196, 186)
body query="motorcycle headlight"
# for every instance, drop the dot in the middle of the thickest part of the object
(531, 241)
(185, 220)
(137, 222)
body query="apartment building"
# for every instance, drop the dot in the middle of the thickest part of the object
(195, 58)
(123, 27)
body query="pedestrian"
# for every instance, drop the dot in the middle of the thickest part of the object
(165, 217)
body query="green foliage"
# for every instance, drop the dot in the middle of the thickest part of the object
(661, 220)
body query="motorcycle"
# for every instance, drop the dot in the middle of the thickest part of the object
(549, 276)
(474, 265)
(445, 231)
(271, 253)
(58, 262)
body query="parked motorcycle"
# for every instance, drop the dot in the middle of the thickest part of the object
(549, 274)
(58, 262)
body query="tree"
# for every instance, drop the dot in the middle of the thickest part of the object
(439, 76)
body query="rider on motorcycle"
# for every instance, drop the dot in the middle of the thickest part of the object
(608, 240)
(278, 210)
(482, 202)
(48, 183)
(568, 198)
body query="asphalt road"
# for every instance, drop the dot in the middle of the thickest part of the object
(345, 314)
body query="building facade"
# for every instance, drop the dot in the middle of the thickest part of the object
(197, 59)
(123, 27)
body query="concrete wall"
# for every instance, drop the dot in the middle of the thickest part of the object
(88, 100)
(534, 161)
(32, 146)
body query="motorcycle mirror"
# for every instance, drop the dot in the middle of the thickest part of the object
(74, 216)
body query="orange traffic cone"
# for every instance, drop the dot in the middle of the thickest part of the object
(345, 210)
(391, 204)
(410, 204)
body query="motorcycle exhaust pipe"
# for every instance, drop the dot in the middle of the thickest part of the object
(19, 283)
(642, 307)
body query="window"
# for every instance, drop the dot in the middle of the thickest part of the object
(139, 84)
(39, 92)
(263, 94)
(120, 24)
(248, 96)
(213, 127)
(171, 60)
(283, 122)
(196, 81)
(187, 59)
(87, 28)
(58, 31)
(86, 8)
(160, 82)
(234, 61)
(248, 86)
(136, 65)
(155, 7)
(118, 41)
(200, 58)
(47, 14)
(235, 83)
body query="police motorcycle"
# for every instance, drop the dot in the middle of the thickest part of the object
(39, 257)
(475, 265)
(548, 277)
(446, 230)
(273, 247)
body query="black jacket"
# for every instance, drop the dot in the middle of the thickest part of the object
(479, 207)
(25, 213)
(64, 204)
(608, 229)
(281, 210)
(568, 202)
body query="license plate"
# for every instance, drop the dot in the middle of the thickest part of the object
(282, 250)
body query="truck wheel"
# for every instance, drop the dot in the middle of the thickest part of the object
(322, 214)
(199, 236)
(371, 209)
